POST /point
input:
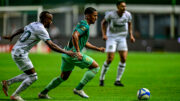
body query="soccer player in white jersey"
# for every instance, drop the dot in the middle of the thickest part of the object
(31, 35)
(115, 27)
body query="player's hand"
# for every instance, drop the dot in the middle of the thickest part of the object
(71, 53)
(102, 49)
(7, 37)
(79, 55)
(132, 39)
(104, 37)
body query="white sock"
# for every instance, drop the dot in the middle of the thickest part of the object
(18, 78)
(105, 67)
(120, 71)
(26, 83)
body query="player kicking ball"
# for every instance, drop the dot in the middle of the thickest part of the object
(32, 34)
(78, 41)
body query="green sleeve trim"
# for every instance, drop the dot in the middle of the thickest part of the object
(46, 40)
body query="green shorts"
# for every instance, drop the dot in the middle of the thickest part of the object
(68, 62)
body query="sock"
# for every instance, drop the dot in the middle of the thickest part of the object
(26, 83)
(87, 77)
(53, 84)
(105, 67)
(18, 78)
(120, 71)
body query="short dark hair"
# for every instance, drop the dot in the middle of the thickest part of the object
(42, 16)
(89, 10)
(119, 2)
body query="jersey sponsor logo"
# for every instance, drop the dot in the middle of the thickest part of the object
(118, 25)
(118, 22)
(110, 47)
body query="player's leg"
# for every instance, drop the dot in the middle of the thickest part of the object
(111, 45)
(54, 83)
(6, 83)
(31, 78)
(15, 79)
(121, 67)
(19, 78)
(105, 67)
(89, 75)
(123, 51)
(66, 69)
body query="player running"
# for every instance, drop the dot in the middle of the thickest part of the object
(78, 41)
(32, 34)
(118, 25)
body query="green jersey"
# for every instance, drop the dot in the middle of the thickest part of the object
(83, 29)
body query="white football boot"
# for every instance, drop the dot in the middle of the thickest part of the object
(16, 98)
(43, 96)
(80, 93)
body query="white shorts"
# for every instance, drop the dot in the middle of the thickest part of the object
(23, 62)
(116, 43)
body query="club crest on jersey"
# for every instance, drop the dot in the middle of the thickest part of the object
(83, 28)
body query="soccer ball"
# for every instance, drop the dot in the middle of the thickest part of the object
(143, 94)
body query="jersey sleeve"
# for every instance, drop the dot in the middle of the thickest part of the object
(25, 28)
(43, 35)
(82, 29)
(129, 17)
(107, 16)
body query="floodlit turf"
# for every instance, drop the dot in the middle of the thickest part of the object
(159, 72)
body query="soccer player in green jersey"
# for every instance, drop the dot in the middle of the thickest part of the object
(78, 41)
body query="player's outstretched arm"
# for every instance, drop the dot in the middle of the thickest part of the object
(103, 29)
(56, 48)
(17, 32)
(90, 46)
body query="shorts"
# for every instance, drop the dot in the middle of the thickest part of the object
(116, 43)
(68, 62)
(23, 62)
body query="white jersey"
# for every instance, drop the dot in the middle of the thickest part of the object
(33, 33)
(117, 26)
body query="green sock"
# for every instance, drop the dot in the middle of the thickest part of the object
(80, 86)
(87, 77)
(53, 84)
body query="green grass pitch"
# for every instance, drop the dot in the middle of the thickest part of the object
(159, 72)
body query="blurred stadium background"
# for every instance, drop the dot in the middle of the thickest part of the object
(156, 23)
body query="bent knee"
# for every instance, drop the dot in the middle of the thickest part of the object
(95, 70)
(110, 59)
(123, 60)
(33, 77)
(64, 78)
(94, 65)
(65, 75)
